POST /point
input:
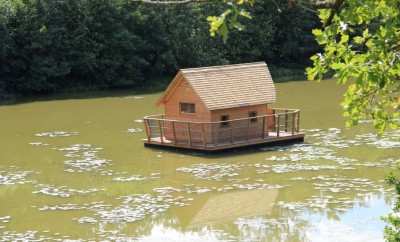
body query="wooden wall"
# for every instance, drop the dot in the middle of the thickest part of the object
(180, 131)
(184, 93)
(239, 112)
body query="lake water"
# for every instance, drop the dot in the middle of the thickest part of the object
(76, 169)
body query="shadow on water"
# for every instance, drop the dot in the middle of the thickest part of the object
(237, 151)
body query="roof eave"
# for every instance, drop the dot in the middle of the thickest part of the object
(240, 106)
(171, 87)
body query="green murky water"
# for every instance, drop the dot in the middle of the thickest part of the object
(77, 170)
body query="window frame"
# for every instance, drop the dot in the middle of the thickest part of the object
(253, 116)
(188, 105)
(224, 123)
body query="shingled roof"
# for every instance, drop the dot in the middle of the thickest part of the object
(228, 86)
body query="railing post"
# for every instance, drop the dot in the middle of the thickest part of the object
(174, 132)
(248, 129)
(213, 133)
(277, 125)
(293, 122)
(286, 120)
(189, 133)
(263, 128)
(148, 130)
(298, 121)
(161, 131)
(203, 130)
(275, 117)
(231, 130)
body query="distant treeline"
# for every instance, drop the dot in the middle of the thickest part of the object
(49, 46)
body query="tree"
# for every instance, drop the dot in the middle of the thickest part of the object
(361, 47)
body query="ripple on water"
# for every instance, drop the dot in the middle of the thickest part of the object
(54, 134)
(297, 167)
(213, 171)
(324, 146)
(82, 157)
(309, 152)
(333, 138)
(134, 130)
(85, 158)
(344, 184)
(63, 191)
(134, 208)
(390, 139)
(38, 144)
(74, 206)
(384, 163)
(13, 176)
(4, 220)
(122, 177)
(193, 189)
(24, 236)
(336, 193)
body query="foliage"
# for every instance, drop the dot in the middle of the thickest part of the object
(361, 47)
(220, 25)
(64, 44)
(49, 46)
(392, 231)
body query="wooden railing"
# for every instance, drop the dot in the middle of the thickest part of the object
(282, 122)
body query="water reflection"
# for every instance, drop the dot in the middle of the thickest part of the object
(225, 208)
(163, 233)
(359, 223)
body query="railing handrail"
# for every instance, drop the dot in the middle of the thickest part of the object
(286, 112)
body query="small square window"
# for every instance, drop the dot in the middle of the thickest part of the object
(187, 107)
(253, 116)
(224, 121)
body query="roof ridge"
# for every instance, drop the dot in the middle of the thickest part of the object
(230, 66)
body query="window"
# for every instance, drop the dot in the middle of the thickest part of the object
(252, 116)
(187, 107)
(224, 121)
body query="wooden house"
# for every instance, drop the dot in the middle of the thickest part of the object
(219, 107)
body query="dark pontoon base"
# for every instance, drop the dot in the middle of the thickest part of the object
(298, 138)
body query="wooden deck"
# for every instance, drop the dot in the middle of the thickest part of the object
(281, 126)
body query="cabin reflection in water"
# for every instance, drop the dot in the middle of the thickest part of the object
(227, 207)
(222, 107)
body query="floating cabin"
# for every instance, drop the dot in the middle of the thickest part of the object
(222, 107)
